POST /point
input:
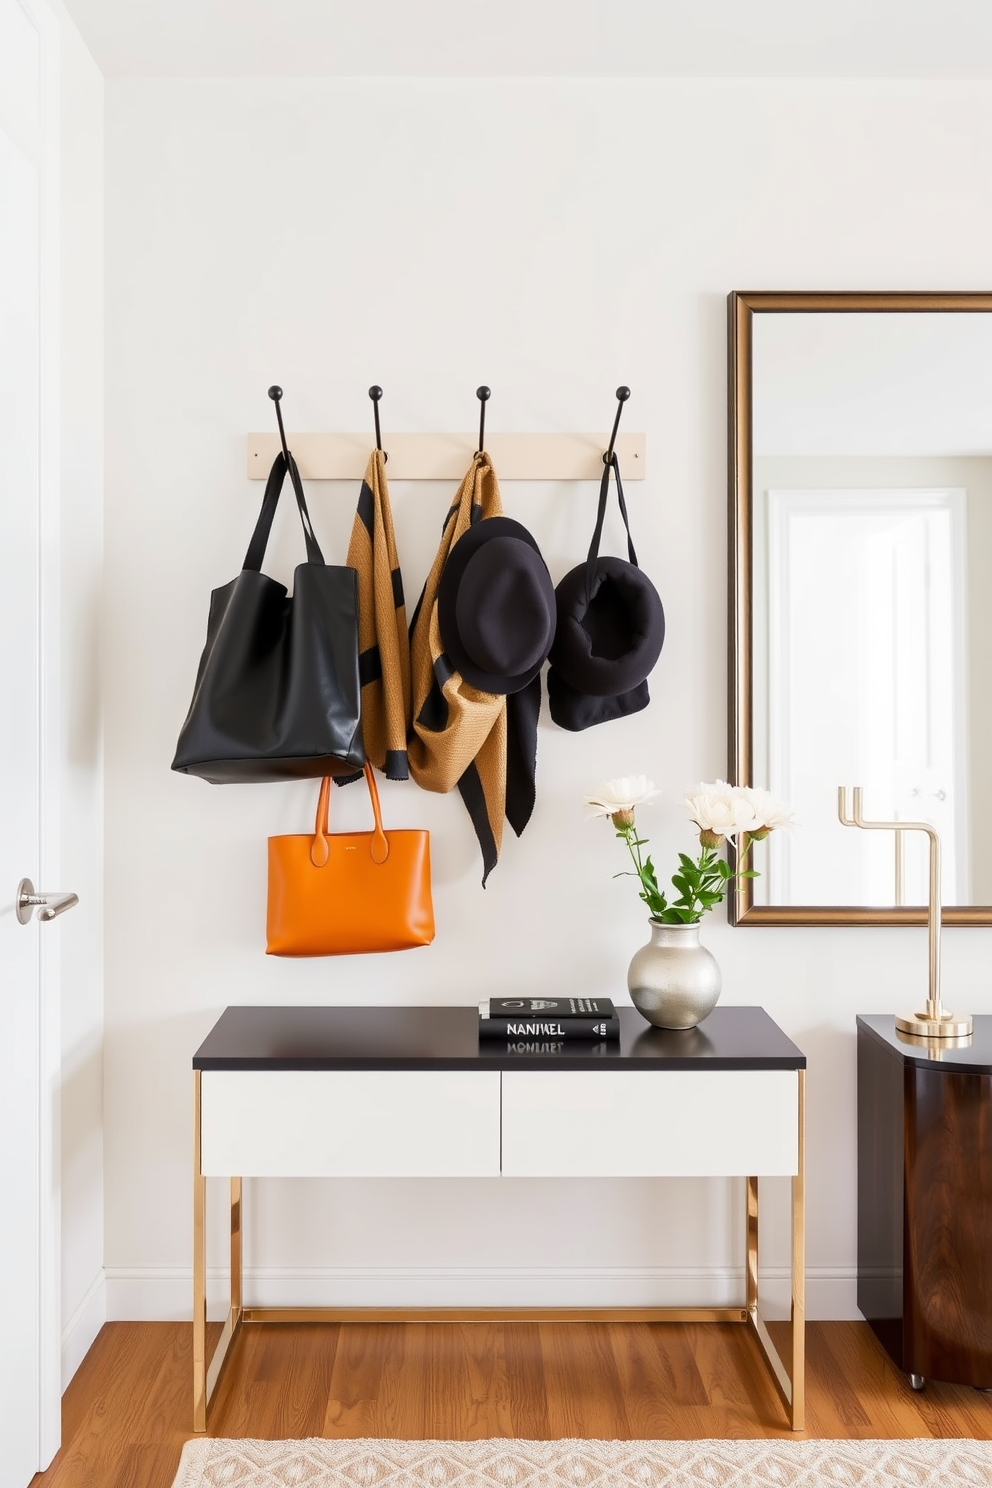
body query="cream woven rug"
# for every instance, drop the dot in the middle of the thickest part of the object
(505, 1463)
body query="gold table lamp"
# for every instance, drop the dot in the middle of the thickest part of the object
(933, 1022)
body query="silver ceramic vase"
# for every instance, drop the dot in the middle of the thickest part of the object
(674, 981)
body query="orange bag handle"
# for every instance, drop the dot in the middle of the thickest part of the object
(378, 845)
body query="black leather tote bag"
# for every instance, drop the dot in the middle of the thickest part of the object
(277, 693)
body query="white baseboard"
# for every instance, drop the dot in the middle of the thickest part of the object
(79, 1332)
(144, 1294)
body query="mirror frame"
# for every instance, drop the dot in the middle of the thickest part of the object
(742, 307)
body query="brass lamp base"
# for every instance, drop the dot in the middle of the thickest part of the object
(933, 1023)
(945, 1025)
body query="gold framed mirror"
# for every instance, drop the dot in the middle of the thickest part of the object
(860, 614)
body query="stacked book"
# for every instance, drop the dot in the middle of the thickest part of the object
(548, 1019)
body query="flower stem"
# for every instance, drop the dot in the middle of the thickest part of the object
(741, 855)
(633, 847)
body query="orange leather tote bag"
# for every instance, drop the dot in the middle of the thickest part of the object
(345, 893)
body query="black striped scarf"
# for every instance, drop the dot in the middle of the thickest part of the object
(482, 742)
(383, 642)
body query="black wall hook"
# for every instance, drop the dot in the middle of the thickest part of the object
(483, 394)
(623, 393)
(275, 393)
(375, 393)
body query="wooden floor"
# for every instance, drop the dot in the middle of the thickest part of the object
(128, 1411)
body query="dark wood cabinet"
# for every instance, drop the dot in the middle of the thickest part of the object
(925, 1200)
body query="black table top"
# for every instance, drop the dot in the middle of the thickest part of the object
(973, 1057)
(436, 1038)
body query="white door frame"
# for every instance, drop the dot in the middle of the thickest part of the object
(46, 870)
(51, 747)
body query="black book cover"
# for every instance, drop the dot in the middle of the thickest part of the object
(547, 1009)
(523, 1047)
(555, 1029)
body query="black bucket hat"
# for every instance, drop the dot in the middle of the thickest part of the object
(610, 631)
(496, 606)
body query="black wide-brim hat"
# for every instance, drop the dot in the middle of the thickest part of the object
(496, 606)
(609, 634)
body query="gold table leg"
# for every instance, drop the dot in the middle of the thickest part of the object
(799, 1271)
(199, 1272)
(206, 1372)
(791, 1379)
(751, 1264)
(236, 1248)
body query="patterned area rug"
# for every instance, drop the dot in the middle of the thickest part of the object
(500, 1463)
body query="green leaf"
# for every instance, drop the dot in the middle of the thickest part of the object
(686, 916)
(657, 903)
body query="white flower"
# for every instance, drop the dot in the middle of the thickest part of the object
(621, 795)
(769, 811)
(721, 809)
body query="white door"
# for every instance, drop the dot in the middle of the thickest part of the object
(867, 686)
(29, 1025)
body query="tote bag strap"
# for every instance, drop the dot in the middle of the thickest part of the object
(319, 850)
(273, 490)
(604, 491)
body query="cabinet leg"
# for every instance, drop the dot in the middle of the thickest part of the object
(917, 1381)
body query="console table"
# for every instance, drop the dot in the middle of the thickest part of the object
(315, 1091)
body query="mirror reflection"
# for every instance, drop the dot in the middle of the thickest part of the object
(871, 620)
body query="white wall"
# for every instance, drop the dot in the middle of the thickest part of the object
(871, 384)
(554, 239)
(81, 931)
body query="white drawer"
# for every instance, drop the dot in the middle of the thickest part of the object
(350, 1123)
(679, 1123)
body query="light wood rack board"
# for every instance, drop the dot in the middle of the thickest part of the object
(533, 457)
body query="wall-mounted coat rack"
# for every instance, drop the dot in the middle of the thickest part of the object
(448, 456)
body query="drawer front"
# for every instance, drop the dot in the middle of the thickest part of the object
(349, 1123)
(680, 1123)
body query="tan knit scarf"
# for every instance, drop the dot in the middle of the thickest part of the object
(383, 642)
(459, 732)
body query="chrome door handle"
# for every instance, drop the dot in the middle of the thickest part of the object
(47, 904)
